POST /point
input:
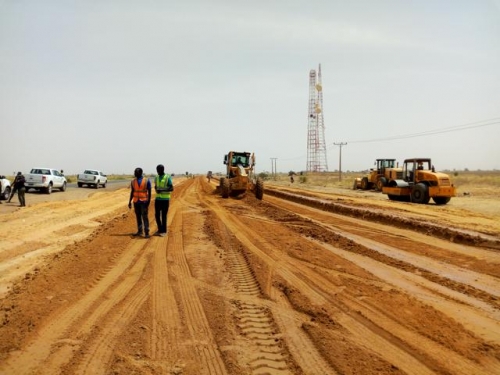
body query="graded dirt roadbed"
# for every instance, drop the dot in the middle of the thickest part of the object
(241, 286)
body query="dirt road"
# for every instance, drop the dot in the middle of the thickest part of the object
(303, 282)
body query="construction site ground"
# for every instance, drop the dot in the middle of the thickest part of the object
(306, 281)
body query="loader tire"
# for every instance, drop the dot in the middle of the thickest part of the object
(381, 182)
(259, 189)
(420, 194)
(225, 188)
(365, 184)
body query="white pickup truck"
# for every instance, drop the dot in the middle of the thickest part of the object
(92, 178)
(5, 188)
(45, 179)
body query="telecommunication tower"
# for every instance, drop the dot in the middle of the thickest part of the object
(316, 147)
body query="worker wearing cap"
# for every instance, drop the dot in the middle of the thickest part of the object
(163, 188)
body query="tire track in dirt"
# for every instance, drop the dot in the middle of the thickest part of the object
(296, 277)
(165, 319)
(457, 277)
(100, 352)
(200, 335)
(255, 320)
(34, 233)
(362, 325)
(78, 321)
(462, 236)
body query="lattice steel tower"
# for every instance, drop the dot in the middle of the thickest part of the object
(316, 147)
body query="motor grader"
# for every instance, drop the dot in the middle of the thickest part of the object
(420, 183)
(240, 175)
(379, 176)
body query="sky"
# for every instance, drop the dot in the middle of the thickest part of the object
(118, 84)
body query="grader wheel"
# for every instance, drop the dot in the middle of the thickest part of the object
(225, 188)
(259, 189)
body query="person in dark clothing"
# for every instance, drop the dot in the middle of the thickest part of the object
(19, 186)
(140, 194)
(163, 188)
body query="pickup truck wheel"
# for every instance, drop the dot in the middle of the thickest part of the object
(80, 184)
(97, 185)
(48, 190)
(6, 193)
(63, 187)
(104, 185)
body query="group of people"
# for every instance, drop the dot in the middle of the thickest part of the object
(20, 188)
(140, 196)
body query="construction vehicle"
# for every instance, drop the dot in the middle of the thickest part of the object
(378, 177)
(420, 183)
(240, 175)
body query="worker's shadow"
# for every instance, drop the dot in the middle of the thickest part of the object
(125, 235)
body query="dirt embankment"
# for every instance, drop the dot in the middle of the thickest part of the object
(241, 286)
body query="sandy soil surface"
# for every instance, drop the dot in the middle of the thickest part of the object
(306, 281)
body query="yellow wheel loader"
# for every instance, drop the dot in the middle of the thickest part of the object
(240, 175)
(420, 183)
(379, 176)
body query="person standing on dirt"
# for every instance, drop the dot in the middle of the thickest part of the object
(163, 188)
(19, 186)
(140, 194)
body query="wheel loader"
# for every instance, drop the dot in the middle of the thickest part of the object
(240, 175)
(378, 177)
(420, 183)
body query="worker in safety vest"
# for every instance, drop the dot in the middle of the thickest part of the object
(163, 188)
(140, 193)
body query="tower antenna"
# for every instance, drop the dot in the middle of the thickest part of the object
(316, 146)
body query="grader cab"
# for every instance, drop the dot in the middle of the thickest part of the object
(240, 175)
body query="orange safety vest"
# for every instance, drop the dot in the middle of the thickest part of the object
(140, 191)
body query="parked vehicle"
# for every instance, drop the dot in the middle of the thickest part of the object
(5, 188)
(45, 179)
(92, 178)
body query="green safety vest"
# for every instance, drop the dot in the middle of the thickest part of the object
(162, 184)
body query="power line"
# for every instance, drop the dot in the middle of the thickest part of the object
(473, 125)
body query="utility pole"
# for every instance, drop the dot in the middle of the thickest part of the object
(273, 167)
(340, 157)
